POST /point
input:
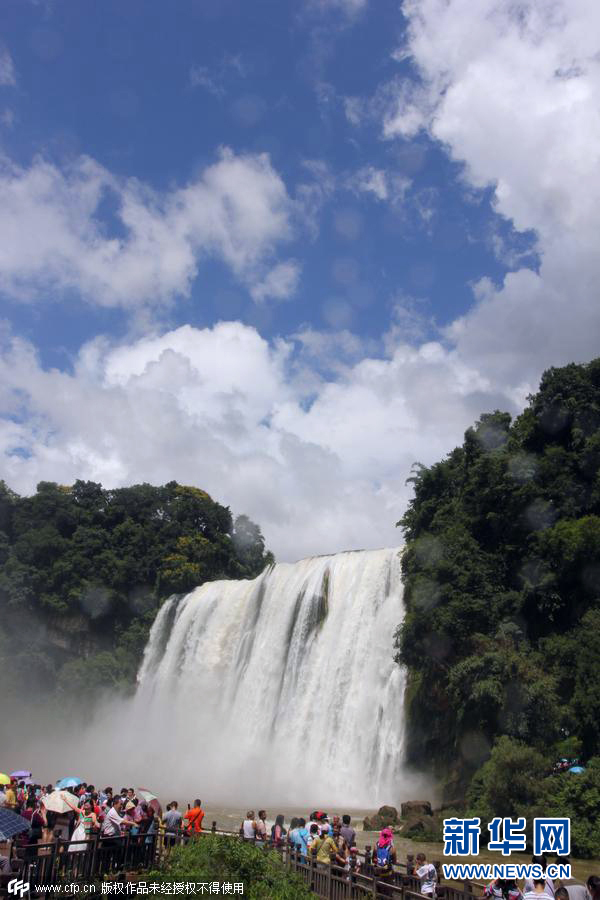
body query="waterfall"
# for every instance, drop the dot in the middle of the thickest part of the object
(282, 688)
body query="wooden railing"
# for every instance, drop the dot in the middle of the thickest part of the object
(128, 857)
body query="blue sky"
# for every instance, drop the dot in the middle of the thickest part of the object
(362, 188)
(153, 94)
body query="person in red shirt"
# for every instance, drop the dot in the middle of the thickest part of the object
(194, 817)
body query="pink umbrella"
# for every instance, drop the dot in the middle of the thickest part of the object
(150, 799)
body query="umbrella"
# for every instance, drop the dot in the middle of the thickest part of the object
(71, 781)
(576, 770)
(57, 801)
(11, 824)
(151, 799)
(20, 774)
(4, 779)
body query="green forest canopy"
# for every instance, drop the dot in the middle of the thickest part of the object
(502, 590)
(83, 571)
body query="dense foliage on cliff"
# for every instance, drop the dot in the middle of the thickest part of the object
(502, 585)
(83, 571)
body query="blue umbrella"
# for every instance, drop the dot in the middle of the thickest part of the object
(11, 824)
(67, 783)
(576, 770)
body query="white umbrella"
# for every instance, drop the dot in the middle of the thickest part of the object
(58, 802)
(151, 799)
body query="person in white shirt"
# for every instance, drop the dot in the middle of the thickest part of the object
(111, 829)
(538, 889)
(249, 826)
(427, 873)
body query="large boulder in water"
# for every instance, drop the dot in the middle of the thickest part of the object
(415, 808)
(386, 817)
(415, 826)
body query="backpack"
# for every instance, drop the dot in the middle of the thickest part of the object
(384, 854)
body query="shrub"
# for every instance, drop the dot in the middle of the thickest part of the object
(221, 858)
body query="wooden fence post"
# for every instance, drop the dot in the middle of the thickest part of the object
(368, 866)
(55, 856)
(213, 827)
(313, 867)
(330, 881)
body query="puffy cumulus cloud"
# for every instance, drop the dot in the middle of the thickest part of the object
(312, 436)
(56, 236)
(513, 91)
(278, 284)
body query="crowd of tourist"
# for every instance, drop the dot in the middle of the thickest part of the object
(333, 843)
(544, 888)
(111, 814)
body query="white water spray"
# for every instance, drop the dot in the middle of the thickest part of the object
(282, 688)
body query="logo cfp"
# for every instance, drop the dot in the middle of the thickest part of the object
(17, 886)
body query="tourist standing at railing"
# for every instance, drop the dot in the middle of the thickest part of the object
(129, 817)
(278, 832)
(10, 798)
(593, 886)
(313, 821)
(114, 823)
(340, 843)
(194, 818)
(426, 872)
(323, 845)
(538, 889)
(572, 892)
(548, 883)
(172, 822)
(261, 825)
(299, 838)
(384, 858)
(503, 889)
(248, 829)
(347, 832)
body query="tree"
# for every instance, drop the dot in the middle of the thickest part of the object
(93, 564)
(501, 570)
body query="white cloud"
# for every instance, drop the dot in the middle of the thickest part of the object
(320, 461)
(513, 91)
(348, 7)
(200, 77)
(278, 284)
(354, 108)
(8, 76)
(216, 80)
(53, 238)
(383, 185)
(314, 436)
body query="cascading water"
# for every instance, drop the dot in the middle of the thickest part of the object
(282, 688)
